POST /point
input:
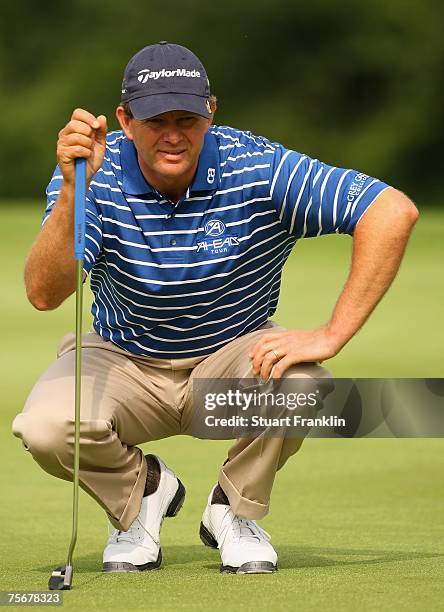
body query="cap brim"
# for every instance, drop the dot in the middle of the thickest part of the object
(150, 106)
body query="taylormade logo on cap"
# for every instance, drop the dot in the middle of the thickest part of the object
(144, 75)
(166, 77)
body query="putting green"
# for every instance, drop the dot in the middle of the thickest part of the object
(357, 523)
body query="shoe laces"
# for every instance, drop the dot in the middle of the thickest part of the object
(135, 534)
(241, 529)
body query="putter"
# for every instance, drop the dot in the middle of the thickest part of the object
(61, 577)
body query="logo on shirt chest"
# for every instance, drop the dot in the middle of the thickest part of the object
(214, 227)
(214, 242)
(217, 245)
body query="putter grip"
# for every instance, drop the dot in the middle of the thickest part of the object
(79, 208)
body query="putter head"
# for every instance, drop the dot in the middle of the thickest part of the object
(61, 578)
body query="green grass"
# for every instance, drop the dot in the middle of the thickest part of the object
(357, 523)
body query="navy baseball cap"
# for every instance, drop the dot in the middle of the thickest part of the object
(166, 77)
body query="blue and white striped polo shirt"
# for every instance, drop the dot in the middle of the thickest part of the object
(173, 281)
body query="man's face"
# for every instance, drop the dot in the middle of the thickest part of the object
(168, 145)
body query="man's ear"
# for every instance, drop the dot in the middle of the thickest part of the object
(213, 107)
(124, 121)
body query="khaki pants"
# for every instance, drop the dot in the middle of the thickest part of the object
(128, 400)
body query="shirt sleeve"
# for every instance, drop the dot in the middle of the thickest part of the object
(313, 198)
(93, 221)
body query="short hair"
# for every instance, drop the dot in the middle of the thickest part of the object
(126, 108)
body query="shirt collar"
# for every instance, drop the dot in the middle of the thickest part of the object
(207, 177)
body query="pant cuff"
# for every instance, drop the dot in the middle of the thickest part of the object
(241, 505)
(132, 508)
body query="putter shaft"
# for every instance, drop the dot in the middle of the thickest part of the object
(78, 378)
(61, 577)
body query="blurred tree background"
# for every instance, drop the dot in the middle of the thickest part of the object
(353, 83)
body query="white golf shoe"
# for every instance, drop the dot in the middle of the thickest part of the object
(244, 547)
(138, 549)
